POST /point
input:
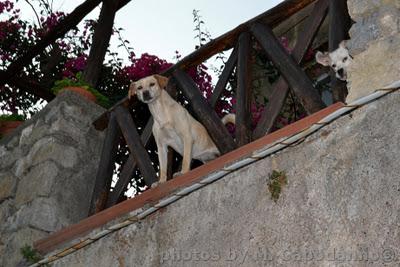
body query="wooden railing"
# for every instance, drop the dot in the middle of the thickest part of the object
(118, 121)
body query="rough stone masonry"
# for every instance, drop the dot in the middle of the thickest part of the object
(47, 171)
(375, 45)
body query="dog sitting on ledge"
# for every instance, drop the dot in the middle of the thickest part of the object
(174, 126)
(339, 60)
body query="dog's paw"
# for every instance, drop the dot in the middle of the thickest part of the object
(177, 174)
(155, 184)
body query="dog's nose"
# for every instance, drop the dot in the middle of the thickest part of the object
(146, 95)
(340, 72)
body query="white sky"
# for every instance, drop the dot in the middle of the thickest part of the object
(161, 27)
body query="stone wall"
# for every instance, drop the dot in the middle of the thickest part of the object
(47, 172)
(375, 45)
(340, 207)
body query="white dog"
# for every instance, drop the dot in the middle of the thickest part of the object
(174, 126)
(339, 60)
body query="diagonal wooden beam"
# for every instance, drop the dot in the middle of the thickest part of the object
(224, 77)
(106, 167)
(243, 91)
(128, 168)
(205, 113)
(281, 88)
(289, 69)
(135, 145)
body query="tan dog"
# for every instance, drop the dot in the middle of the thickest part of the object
(174, 126)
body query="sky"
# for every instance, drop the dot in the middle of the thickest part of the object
(162, 27)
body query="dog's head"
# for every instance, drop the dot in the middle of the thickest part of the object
(148, 89)
(338, 60)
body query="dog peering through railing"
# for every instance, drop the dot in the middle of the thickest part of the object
(257, 32)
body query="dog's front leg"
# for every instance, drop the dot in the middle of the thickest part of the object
(163, 160)
(187, 154)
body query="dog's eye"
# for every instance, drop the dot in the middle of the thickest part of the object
(152, 84)
(345, 59)
(140, 88)
(334, 66)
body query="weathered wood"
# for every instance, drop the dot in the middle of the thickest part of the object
(205, 113)
(339, 25)
(135, 145)
(281, 88)
(100, 41)
(243, 91)
(289, 69)
(128, 168)
(271, 17)
(106, 167)
(224, 77)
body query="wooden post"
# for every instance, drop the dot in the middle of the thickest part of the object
(224, 78)
(100, 41)
(106, 167)
(339, 25)
(281, 88)
(243, 91)
(136, 147)
(205, 113)
(290, 70)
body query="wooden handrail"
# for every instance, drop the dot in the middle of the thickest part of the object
(272, 17)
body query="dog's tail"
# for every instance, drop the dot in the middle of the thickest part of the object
(229, 118)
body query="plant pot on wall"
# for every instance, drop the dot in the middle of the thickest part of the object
(82, 91)
(6, 127)
(9, 122)
(78, 85)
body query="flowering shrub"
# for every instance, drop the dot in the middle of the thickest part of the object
(17, 34)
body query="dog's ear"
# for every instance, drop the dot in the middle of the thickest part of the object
(162, 81)
(132, 90)
(343, 44)
(323, 58)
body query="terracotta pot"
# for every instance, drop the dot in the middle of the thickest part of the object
(6, 127)
(82, 91)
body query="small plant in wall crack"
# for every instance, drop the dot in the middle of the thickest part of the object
(276, 181)
(31, 255)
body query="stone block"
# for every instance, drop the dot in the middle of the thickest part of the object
(42, 213)
(375, 68)
(48, 148)
(14, 243)
(8, 183)
(38, 182)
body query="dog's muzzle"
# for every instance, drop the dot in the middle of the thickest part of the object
(146, 96)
